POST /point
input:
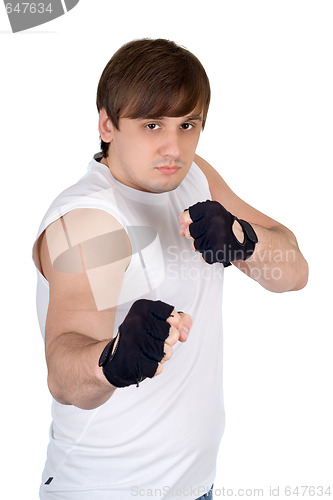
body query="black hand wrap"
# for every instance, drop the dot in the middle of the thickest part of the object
(213, 235)
(140, 345)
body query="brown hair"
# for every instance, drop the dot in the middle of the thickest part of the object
(152, 78)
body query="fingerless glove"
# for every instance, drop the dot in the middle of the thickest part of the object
(213, 235)
(140, 344)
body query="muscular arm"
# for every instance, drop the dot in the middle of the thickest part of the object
(82, 304)
(74, 377)
(277, 262)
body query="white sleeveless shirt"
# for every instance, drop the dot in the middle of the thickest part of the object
(158, 440)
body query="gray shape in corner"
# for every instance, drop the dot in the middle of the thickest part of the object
(70, 4)
(29, 14)
(26, 15)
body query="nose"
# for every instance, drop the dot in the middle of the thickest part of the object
(170, 146)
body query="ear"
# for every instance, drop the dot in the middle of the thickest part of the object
(105, 126)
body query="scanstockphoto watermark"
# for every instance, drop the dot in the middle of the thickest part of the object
(283, 491)
(196, 492)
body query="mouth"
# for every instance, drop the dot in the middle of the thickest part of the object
(168, 170)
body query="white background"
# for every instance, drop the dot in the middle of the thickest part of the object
(269, 134)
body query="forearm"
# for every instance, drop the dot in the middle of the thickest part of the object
(74, 377)
(277, 263)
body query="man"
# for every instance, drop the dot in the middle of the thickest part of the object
(130, 272)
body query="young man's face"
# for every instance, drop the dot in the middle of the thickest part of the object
(154, 155)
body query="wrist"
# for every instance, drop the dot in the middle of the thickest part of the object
(247, 239)
(103, 348)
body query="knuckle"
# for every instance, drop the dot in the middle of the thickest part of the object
(187, 233)
(159, 369)
(168, 353)
(174, 335)
(174, 321)
(174, 314)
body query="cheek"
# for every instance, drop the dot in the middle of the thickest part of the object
(136, 155)
(189, 150)
(137, 147)
(192, 142)
(127, 150)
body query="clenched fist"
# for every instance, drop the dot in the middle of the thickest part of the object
(211, 227)
(144, 342)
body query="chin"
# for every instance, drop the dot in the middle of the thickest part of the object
(166, 184)
(165, 187)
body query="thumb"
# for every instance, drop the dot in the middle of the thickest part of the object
(186, 324)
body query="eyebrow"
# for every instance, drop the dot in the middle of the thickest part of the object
(194, 117)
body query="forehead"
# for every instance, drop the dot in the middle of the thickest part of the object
(163, 102)
(195, 115)
(162, 114)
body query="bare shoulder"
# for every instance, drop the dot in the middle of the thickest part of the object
(82, 240)
(83, 255)
(221, 192)
(211, 174)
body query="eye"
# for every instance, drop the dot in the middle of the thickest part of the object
(187, 126)
(152, 126)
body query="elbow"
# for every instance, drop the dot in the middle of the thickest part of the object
(299, 281)
(56, 392)
(302, 283)
(302, 276)
(62, 395)
(288, 280)
(84, 399)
